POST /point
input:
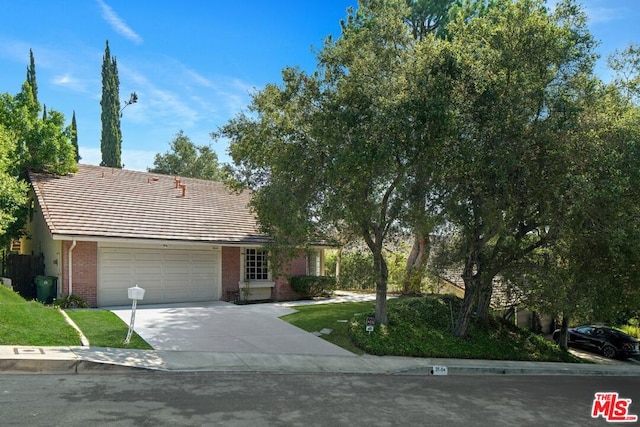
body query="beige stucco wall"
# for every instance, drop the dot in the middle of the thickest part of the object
(39, 241)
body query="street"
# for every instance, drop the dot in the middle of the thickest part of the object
(255, 399)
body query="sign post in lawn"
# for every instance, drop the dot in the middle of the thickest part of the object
(371, 321)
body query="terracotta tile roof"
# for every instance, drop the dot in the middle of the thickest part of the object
(117, 203)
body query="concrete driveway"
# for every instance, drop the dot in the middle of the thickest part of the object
(223, 327)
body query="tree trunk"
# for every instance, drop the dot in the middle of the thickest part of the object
(381, 272)
(484, 299)
(472, 283)
(562, 341)
(416, 265)
(471, 289)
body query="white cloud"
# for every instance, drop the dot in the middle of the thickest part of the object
(595, 13)
(199, 79)
(90, 155)
(118, 25)
(67, 80)
(155, 104)
(602, 15)
(138, 160)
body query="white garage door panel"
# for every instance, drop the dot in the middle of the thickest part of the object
(167, 275)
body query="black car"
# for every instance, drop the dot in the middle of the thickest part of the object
(601, 339)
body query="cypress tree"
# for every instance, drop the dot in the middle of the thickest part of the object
(111, 139)
(31, 75)
(74, 136)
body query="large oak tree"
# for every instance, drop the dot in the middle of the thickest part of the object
(340, 150)
(517, 105)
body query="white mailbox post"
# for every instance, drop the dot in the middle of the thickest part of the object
(135, 293)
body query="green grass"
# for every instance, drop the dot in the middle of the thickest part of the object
(104, 329)
(32, 323)
(422, 327)
(317, 317)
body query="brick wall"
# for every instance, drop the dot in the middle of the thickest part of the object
(230, 272)
(85, 271)
(282, 290)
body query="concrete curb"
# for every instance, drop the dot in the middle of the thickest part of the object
(79, 360)
(52, 367)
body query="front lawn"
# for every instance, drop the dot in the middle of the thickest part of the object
(32, 323)
(104, 329)
(422, 327)
(35, 324)
(314, 318)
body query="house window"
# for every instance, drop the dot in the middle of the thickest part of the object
(256, 265)
(313, 263)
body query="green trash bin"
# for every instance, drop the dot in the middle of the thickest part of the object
(45, 288)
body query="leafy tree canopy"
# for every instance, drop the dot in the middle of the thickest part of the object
(339, 150)
(12, 191)
(499, 128)
(29, 140)
(188, 160)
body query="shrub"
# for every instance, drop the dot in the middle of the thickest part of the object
(423, 327)
(71, 301)
(313, 286)
(356, 270)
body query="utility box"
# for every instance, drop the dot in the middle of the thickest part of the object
(45, 288)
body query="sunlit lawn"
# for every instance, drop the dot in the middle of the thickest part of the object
(35, 324)
(330, 316)
(32, 323)
(104, 329)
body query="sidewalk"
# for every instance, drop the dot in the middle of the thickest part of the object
(62, 360)
(56, 360)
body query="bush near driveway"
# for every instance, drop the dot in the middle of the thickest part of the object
(32, 323)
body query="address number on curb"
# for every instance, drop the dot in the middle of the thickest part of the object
(439, 370)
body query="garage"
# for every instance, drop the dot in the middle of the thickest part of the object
(168, 274)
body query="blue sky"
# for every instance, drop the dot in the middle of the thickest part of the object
(193, 63)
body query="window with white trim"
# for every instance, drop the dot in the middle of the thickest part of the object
(313, 263)
(256, 265)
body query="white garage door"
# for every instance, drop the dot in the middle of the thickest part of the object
(167, 275)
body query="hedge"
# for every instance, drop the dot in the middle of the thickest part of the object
(313, 286)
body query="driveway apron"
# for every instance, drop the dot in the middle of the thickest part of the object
(222, 327)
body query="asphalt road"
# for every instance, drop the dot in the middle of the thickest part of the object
(251, 399)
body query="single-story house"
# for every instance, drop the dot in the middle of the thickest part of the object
(103, 230)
